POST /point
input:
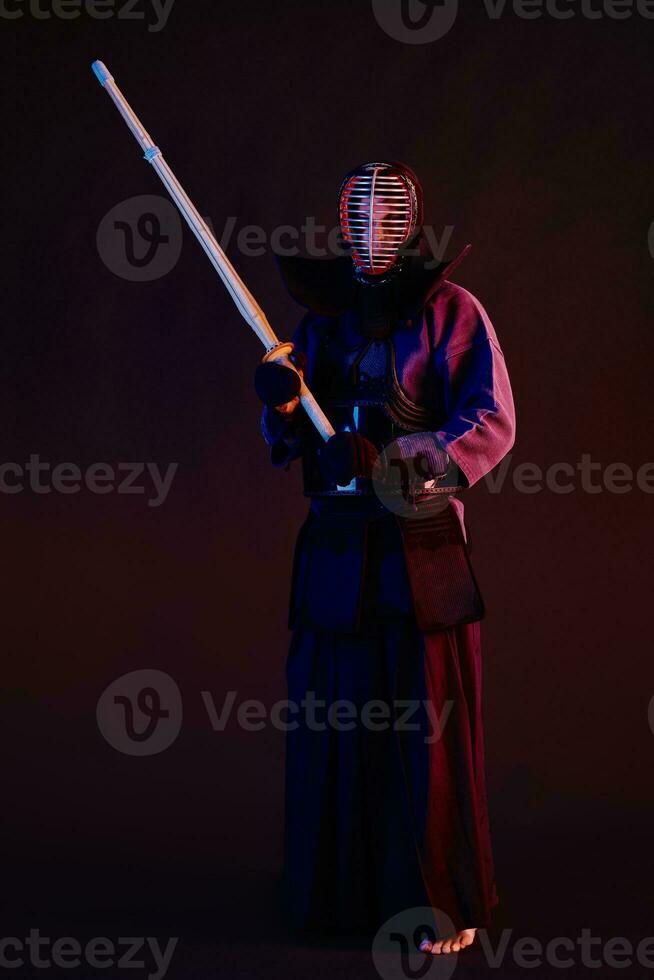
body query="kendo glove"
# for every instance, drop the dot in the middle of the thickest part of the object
(421, 458)
(422, 454)
(278, 386)
(346, 455)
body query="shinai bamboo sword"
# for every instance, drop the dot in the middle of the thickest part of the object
(245, 302)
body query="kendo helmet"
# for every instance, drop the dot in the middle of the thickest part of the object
(380, 209)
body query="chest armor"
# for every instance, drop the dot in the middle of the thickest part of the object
(359, 390)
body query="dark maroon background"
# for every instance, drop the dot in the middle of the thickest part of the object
(532, 138)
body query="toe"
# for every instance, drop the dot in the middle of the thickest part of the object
(425, 946)
(436, 948)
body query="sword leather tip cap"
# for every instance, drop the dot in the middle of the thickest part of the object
(101, 72)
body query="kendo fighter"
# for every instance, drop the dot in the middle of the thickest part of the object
(385, 610)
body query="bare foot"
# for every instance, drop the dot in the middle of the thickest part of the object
(451, 944)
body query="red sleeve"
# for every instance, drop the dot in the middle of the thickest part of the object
(480, 418)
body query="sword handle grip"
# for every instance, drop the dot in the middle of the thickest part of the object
(280, 355)
(316, 414)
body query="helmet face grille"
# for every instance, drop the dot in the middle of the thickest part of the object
(378, 215)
